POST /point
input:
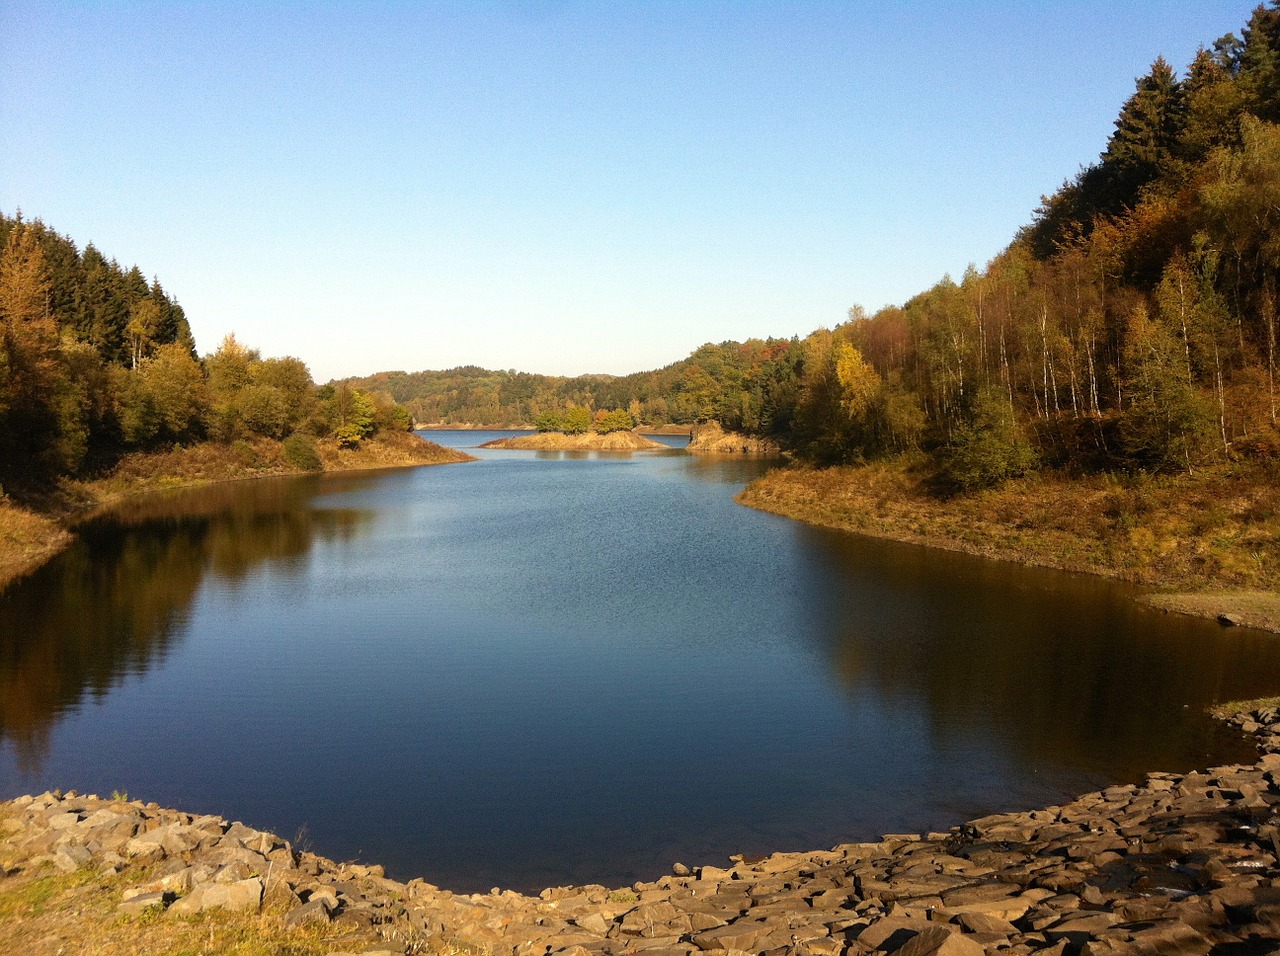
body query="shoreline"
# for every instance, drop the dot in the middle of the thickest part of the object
(1181, 862)
(1153, 535)
(29, 538)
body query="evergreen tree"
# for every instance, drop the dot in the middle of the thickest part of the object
(1145, 139)
(1259, 68)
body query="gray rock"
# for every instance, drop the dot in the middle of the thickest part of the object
(233, 897)
(70, 858)
(307, 914)
(139, 903)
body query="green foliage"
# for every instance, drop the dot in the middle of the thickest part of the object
(300, 452)
(987, 447)
(175, 384)
(547, 422)
(617, 420)
(265, 410)
(1166, 425)
(576, 420)
(353, 413)
(389, 415)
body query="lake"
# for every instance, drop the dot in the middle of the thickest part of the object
(546, 668)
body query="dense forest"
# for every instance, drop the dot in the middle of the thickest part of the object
(1131, 325)
(96, 361)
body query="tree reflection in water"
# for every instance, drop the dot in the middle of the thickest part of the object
(114, 603)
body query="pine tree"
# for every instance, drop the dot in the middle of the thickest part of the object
(1146, 136)
(1260, 63)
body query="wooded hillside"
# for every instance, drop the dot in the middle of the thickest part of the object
(96, 361)
(1131, 325)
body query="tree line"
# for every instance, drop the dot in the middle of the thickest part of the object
(96, 361)
(1131, 325)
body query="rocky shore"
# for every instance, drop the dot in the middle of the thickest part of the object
(1181, 863)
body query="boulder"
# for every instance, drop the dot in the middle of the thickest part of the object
(939, 941)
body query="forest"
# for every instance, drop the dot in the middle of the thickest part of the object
(95, 361)
(1131, 325)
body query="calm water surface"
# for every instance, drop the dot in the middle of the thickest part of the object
(542, 668)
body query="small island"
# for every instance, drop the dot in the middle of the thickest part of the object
(582, 441)
(575, 428)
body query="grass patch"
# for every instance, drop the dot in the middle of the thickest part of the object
(26, 539)
(46, 913)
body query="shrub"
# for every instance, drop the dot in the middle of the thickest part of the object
(245, 453)
(618, 420)
(300, 452)
(547, 422)
(986, 449)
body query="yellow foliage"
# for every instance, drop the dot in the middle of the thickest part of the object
(859, 381)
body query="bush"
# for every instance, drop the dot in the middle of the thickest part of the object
(576, 421)
(618, 420)
(987, 449)
(547, 422)
(300, 452)
(245, 454)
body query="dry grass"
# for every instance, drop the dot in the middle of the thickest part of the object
(1235, 708)
(26, 540)
(1217, 530)
(1247, 608)
(48, 913)
(210, 461)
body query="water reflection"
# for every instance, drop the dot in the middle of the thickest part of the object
(1065, 671)
(116, 602)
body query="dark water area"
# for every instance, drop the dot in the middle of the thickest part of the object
(544, 668)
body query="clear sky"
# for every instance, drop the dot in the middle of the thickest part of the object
(558, 186)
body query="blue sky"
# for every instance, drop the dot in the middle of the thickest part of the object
(560, 187)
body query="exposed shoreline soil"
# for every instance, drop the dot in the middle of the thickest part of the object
(588, 441)
(1180, 863)
(30, 536)
(1210, 543)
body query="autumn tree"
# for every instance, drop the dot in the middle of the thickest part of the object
(29, 372)
(616, 420)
